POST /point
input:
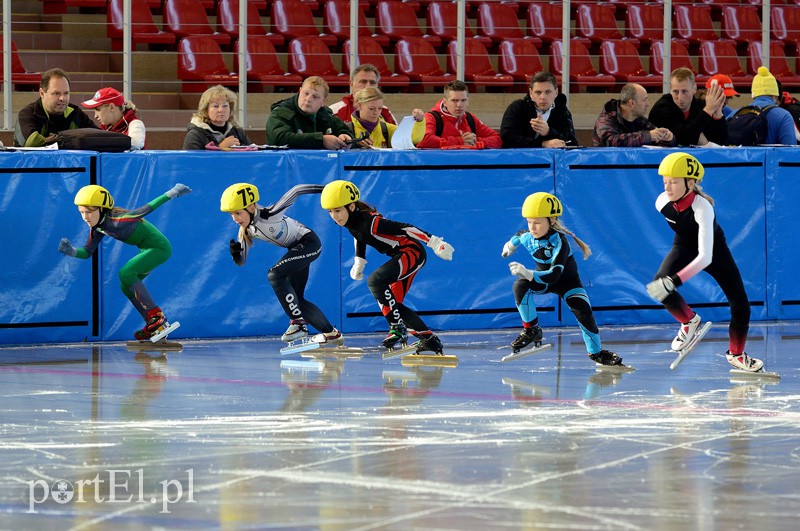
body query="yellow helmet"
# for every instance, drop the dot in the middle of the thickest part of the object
(94, 196)
(541, 205)
(238, 197)
(338, 194)
(682, 166)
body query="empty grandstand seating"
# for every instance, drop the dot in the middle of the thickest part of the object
(262, 67)
(188, 17)
(228, 21)
(545, 23)
(693, 23)
(478, 70)
(143, 29)
(499, 22)
(369, 51)
(645, 22)
(596, 22)
(786, 25)
(620, 59)
(293, 19)
(678, 59)
(442, 22)
(778, 64)
(519, 59)
(717, 57)
(20, 77)
(397, 20)
(581, 70)
(200, 64)
(337, 22)
(310, 56)
(417, 59)
(741, 23)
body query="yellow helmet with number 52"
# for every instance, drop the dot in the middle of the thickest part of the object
(682, 166)
(238, 197)
(338, 194)
(94, 196)
(541, 205)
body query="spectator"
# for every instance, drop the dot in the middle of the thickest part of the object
(623, 122)
(40, 121)
(367, 119)
(727, 87)
(540, 119)
(114, 114)
(214, 124)
(449, 123)
(791, 104)
(780, 124)
(688, 116)
(363, 76)
(304, 122)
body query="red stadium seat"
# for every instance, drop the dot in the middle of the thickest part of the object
(581, 71)
(679, 59)
(778, 64)
(693, 23)
(596, 22)
(478, 70)
(786, 25)
(262, 65)
(417, 59)
(143, 29)
(545, 22)
(19, 75)
(718, 57)
(499, 22)
(187, 17)
(741, 23)
(620, 59)
(310, 56)
(645, 22)
(228, 21)
(369, 51)
(336, 19)
(397, 20)
(519, 59)
(442, 22)
(200, 64)
(293, 19)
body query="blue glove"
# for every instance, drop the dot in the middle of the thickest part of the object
(64, 246)
(178, 190)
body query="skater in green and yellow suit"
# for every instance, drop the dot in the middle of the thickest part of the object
(96, 206)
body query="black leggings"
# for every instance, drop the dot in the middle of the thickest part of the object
(289, 277)
(390, 283)
(723, 269)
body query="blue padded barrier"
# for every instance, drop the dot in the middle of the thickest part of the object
(782, 200)
(44, 295)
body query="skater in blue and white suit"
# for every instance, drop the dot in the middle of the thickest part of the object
(556, 272)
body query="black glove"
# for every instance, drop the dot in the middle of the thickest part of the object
(264, 213)
(236, 251)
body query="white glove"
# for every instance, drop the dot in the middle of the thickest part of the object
(64, 246)
(660, 288)
(442, 249)
(357, 271)
(520, 270)
(508, 249)
(178, 190)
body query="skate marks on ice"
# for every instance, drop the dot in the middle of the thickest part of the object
(524, 353)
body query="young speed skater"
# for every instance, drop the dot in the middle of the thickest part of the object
(403, 243)
(96, 206)
(556, 272)
(288, 277)
(699, 245)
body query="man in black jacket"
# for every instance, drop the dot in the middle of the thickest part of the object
(687, 116)
(540, 119)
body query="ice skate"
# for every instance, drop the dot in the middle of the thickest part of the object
(331, 345)
(297, 330)
(605, 359)
(398, 333)
(689, 345)
(749, 367)
(155, 332)
(430, 343)
(334, 338)
(529, 335)
(686, 333)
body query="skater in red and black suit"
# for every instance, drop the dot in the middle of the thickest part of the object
(403, 243)
(699, 245)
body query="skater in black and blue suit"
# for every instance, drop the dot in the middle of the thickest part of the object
(699, 245)
(556, 272)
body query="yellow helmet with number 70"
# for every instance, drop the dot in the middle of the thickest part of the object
(238, 197)
(681, 166)
(94, 196)
(541, 205)
(339, 193)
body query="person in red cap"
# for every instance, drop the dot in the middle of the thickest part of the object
(727, 88)
(115, 114)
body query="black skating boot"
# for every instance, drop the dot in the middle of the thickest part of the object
(528, 336)
(606, 357)
(430, 343)
(398, 333)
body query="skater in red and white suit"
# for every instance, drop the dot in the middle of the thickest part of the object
(699, 245)
(403, 243)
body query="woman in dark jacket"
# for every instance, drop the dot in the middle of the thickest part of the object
(214, 125)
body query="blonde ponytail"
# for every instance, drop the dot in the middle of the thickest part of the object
(559, 227)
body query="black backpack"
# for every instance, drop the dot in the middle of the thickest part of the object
(748, 126)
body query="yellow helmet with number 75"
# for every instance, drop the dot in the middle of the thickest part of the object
(681, 165)
(541, 205)
(339, 193)
(238, 197)
(94, 196)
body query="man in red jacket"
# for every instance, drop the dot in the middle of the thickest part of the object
(448, 124)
